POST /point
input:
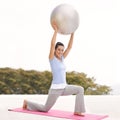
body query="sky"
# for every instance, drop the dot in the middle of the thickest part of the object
(26, 32)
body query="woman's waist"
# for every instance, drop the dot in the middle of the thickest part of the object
(58, 86)
(59, 81)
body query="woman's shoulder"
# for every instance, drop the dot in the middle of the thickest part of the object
(51, 59)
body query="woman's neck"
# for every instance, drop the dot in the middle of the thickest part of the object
(59, 58)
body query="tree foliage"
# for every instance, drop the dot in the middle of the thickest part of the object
(19, 81)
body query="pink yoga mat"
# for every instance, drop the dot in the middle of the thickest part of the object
(63, 114)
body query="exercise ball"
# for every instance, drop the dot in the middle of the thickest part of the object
(66, 18)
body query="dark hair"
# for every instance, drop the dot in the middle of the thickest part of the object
(58, 44)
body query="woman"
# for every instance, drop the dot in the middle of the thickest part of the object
(59, 87)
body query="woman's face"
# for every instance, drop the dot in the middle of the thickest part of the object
(59, 51)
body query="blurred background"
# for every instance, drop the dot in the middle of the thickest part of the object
(25, 35)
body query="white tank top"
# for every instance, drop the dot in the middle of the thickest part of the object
(58, 72)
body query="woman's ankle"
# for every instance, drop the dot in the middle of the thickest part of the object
(25, 104)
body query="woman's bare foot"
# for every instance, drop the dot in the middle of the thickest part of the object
(25, 105)
(79, 114)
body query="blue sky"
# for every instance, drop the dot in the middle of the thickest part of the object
(25, 35)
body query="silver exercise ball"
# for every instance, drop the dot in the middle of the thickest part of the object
(66, 18)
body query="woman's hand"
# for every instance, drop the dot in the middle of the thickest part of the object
(54, 26)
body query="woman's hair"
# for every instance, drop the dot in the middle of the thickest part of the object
(58, 44)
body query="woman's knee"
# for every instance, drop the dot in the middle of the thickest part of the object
(80, 89)
(45, 110)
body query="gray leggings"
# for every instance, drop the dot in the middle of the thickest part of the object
(55, 93)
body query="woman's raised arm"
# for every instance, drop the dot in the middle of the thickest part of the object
(69, 45)
(53, 41)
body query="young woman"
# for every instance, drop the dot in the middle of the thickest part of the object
(59, 86)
